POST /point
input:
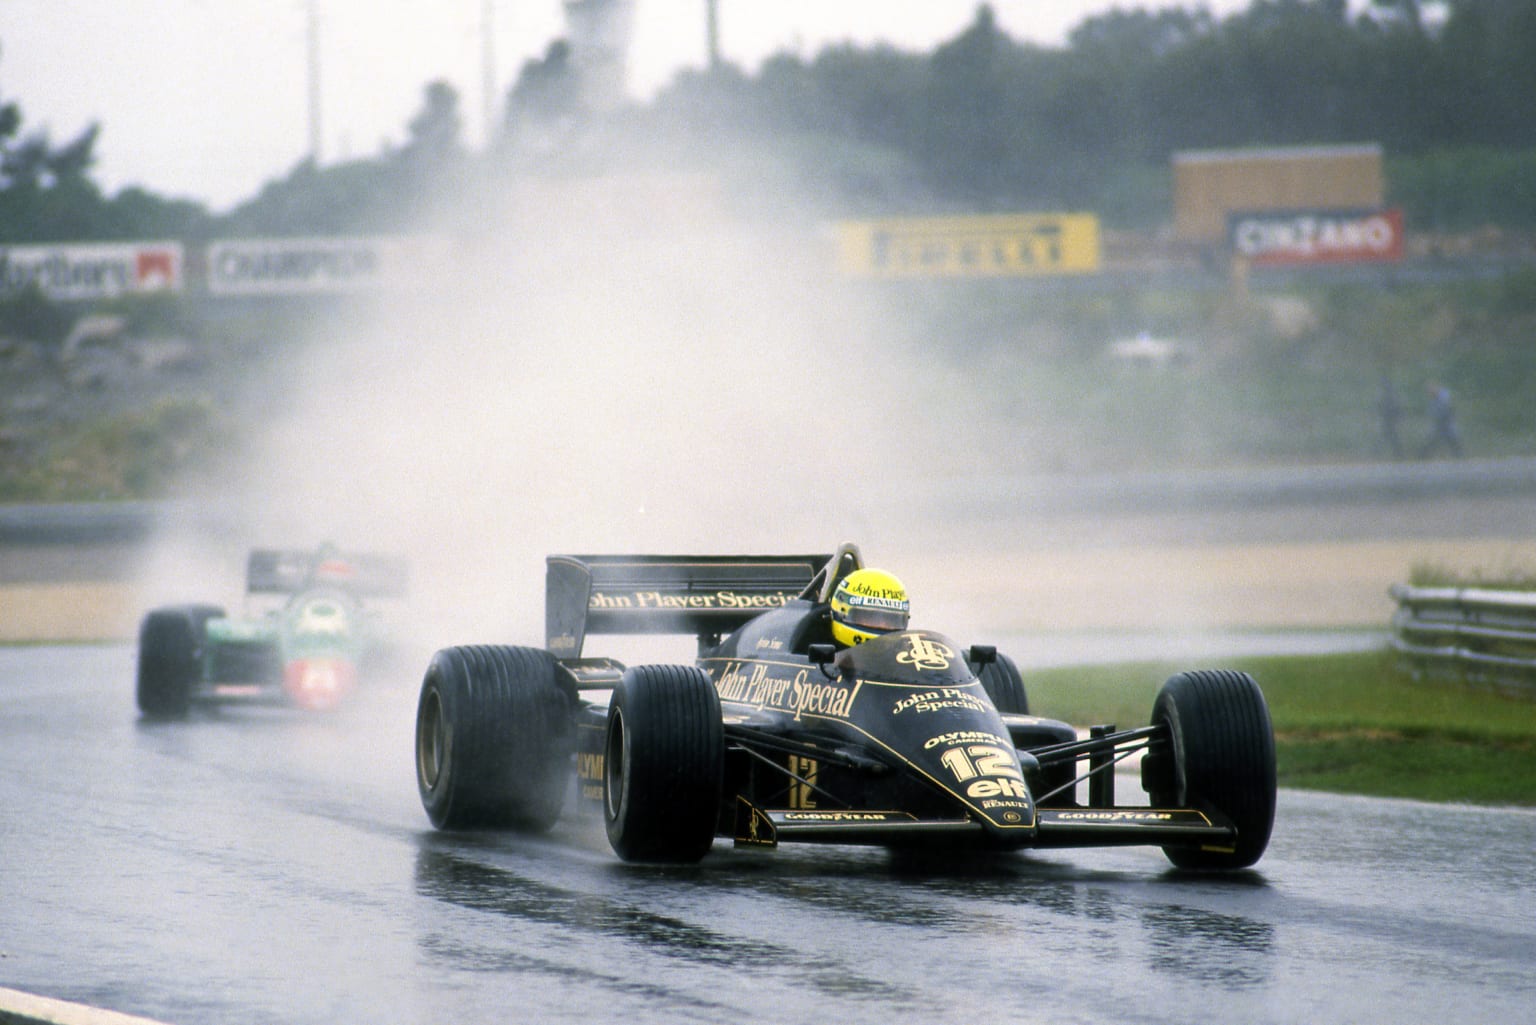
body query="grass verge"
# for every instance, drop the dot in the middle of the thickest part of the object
(1350, 723)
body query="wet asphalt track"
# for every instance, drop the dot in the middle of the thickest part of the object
(261, 866)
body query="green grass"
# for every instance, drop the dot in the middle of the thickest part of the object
(1509, 577)
(1345, 723)
(145, 452)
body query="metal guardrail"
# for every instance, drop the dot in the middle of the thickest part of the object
(106, 522)
(77, 522)
(987, 495)
(1476, 634)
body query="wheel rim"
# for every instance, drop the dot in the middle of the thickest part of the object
(430, 739)
(614, 755)
(1178, 780)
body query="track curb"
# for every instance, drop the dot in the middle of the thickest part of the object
(18, 1008)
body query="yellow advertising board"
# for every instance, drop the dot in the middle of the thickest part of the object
(1005, 245)
(1209, 186)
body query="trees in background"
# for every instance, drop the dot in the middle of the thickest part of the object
(987, 122)
(47, 195)
(983, 122)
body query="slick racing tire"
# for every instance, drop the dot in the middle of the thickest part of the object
(495, 737)
(1004, 685)
(170, 653)
(663, 761)
(1220, 754)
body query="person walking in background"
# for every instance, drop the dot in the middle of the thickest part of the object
(1442, 421)
(1390, 410)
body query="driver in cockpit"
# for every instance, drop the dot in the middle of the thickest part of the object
(866, 604)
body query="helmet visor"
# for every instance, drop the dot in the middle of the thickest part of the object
(877, 618)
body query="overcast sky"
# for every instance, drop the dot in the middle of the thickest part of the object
(208, 99)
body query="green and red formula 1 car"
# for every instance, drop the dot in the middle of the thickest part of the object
(772, 734)
(305, 635)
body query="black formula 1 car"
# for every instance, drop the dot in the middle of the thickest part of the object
(303, 638)
(773, 734)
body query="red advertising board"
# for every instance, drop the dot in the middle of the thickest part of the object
(1293, 237)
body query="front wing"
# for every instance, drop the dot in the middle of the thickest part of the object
(1054, 828)
(1062, 823)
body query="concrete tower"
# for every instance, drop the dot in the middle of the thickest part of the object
(599, 32)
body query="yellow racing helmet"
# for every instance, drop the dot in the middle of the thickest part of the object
(866, 604)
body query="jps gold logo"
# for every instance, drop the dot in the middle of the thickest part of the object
(925, 654)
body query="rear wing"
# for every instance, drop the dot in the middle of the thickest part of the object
(288, 571)
(666, 594)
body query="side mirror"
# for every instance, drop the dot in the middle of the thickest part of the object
(823, 655)
(982, 654)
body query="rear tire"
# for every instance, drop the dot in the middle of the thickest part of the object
(170, 659)
(662, 764)
(1004, 685)
(1221, 755)
(495, 736)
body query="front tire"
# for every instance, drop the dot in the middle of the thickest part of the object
(494, 739)
(1004, 684)
(663, 762)
(1220, 754)
(170, 659)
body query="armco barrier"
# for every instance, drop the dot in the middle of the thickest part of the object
(1476, 634)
